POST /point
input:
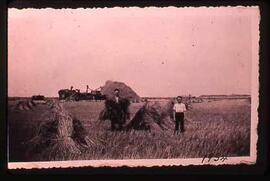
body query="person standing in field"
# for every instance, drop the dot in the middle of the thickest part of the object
(117, 110)
(178, 115)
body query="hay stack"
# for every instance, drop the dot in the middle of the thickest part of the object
(59, 137)
(125, 91)
(19, 106)
(28, 106)
(31, 104)
(153, 116)
(50, 103)
(25, 105)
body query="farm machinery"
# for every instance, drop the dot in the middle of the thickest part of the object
(75, 94)
(38, 99)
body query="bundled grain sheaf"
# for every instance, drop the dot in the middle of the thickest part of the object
(19, 106)
(25, 105)
(31, 103)
(153, 116)
(60, 137)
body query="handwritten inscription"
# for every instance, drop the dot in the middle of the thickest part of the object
(207, 159)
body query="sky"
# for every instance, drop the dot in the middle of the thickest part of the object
(156, 51)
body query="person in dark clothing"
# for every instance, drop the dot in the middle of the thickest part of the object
(117, 109)
(178, 115)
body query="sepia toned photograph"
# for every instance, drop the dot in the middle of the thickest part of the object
(132, 86)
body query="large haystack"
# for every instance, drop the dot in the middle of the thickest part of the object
(60, 136)
(125, 91)
(153, 116)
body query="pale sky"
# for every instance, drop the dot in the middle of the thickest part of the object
(156, 51)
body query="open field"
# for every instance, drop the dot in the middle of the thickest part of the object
(217, 128)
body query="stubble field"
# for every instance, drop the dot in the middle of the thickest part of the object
(217, 128)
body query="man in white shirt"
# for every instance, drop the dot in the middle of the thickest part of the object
(178, 114)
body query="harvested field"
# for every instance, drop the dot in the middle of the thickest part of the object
(220, 128)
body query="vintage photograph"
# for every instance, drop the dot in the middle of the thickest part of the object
(132, 86)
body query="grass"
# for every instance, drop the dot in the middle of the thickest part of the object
(217, 128)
